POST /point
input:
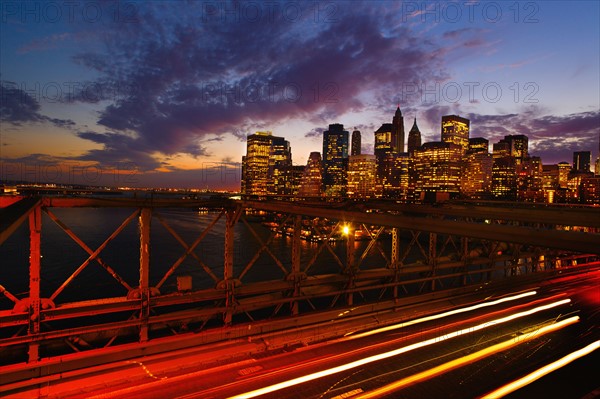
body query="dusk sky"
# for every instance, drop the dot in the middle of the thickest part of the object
(163, 94)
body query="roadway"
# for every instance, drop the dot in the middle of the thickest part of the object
(465, 352)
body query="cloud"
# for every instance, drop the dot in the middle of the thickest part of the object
(117, 149)
(190, 75)
(316, 132)
(45, 43)
(552, 137)
(18, 107)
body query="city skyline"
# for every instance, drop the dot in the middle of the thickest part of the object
(456, 166)
(95, 93)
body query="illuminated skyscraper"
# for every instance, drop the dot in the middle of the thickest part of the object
(501, 149)
(266, 167)
(356, 142)
(311, 183)
(403, 167)
(515, 146)
(361, 176)
(280, 167)
(398, 131)
(296, 178)
(455, 130)
(255, 165)
(335, 160)
(582, 161)
(564, 168)
(590, 190)
(529, 180)
(437, 167)
(476, 176)
(504, 178)
(508, 153)
(414, 138)
(478, 144)
(385, 153)
(550, 177)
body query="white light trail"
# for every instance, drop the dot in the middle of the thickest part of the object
(442, 315)
(539, 373)
(453, 364)
(395, 352)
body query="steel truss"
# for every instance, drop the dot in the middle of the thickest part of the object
(417, 249)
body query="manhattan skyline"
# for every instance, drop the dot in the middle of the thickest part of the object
(165, 94)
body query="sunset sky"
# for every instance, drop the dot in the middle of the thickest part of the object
(163, 94)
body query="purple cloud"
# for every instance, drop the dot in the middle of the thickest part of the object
(18, 107)
(554, 138)
(191, 79)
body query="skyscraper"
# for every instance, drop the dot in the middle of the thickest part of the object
(398, 130)
(455, 130)
(361, 176)
(414, 138)
(311, 183)
(515, 146)
(255, 165)
(385, 153)
(437, 167)
(504, 178)
(509, 153)
(280, 167)
(478, 144)
(335, 160)
(564, 168)
(356, 142)
(582, 161)
(266, 167)
(529, 180)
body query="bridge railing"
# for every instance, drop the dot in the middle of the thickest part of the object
(335, 255)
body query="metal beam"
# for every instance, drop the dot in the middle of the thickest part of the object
(566, 240)
(12, 216)
(35, 243)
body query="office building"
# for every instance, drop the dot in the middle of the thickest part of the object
(582, 161)
(455, 130)
(437, 168)
(356, 142)
(414, 138)
(335, 160)
(311, 183)
(362, 176)
(255, 164)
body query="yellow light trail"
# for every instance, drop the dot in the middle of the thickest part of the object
(451, 365)
(441, 315)
(395, 352)
(529, 378)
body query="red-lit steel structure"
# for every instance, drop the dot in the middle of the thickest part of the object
(457, 245)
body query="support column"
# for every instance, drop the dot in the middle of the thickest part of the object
(350, 262)
(144, 223)
(228, 266)
(35, 235)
